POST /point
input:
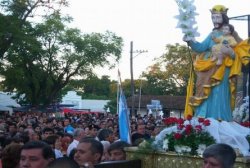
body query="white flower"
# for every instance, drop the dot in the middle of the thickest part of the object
(165, 144)
(143, 143)
(186, 19)
(241, 113)
(185, 149)
(177, 149)
(201, 149)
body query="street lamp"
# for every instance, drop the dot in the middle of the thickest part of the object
(132, 75)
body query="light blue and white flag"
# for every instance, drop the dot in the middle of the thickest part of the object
(124, 124)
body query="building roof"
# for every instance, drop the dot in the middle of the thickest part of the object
(167, 102)
(7, 100)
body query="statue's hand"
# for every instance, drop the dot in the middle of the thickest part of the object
(227, 50)
(187, 38)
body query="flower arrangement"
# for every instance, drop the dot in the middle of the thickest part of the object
(186, 19)
(241, 113)
(190, 138)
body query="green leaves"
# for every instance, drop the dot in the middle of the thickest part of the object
(169, 75)
(39, 59)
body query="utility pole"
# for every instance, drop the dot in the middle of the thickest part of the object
(132, 80)
(133, 112)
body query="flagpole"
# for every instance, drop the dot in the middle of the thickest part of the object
(119, 86)
(117, 99)
(117, 93)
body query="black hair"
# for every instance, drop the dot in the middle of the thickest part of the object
(224, 153)
(225, 18)
(72, 153)
(47, 129)
(231, 28)
(51, 140)
(47, 151)
(120, 145)
(96, 146)
(63, 162)
(12, 124)
(103, 134)
(60, 133)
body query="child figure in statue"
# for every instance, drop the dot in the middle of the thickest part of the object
(226, 40)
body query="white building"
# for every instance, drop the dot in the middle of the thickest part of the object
(71, 98)
(7, 102)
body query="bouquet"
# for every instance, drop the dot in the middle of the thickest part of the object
(190, 138)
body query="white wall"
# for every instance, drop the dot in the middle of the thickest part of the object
(72, 98)
(94, 105)
(6, 100)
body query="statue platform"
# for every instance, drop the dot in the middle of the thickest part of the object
(172, 160)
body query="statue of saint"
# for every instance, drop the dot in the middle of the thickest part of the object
(216, 80)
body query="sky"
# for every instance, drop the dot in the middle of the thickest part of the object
(150, 24)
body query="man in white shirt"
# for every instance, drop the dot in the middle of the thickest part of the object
(77, 135)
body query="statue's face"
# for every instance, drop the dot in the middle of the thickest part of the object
(217, 20)
(226, 30)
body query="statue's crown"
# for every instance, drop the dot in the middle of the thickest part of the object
(219, 9)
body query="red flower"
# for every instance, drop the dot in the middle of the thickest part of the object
(198, 128)
(206, 122)
(245, 124)
(180, 126)
(177, 136)
(180, 121)
(189, 117)
(201, 120)
(170, 121)
(174, 120)
(188, 129)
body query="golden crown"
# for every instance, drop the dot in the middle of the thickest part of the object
(219, 9)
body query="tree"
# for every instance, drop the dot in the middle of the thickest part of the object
(126, 86)
(49, 54)
(169, 75)
(97, 88)
(14, 16)
(91, 88)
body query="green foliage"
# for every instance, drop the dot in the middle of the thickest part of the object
(15, 16)
(44, 57)
(169, 75)
(147, 145)
(112, 105)
(193, 140)
(91, 88)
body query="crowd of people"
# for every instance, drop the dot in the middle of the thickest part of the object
(29, 138)
(40, 140)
